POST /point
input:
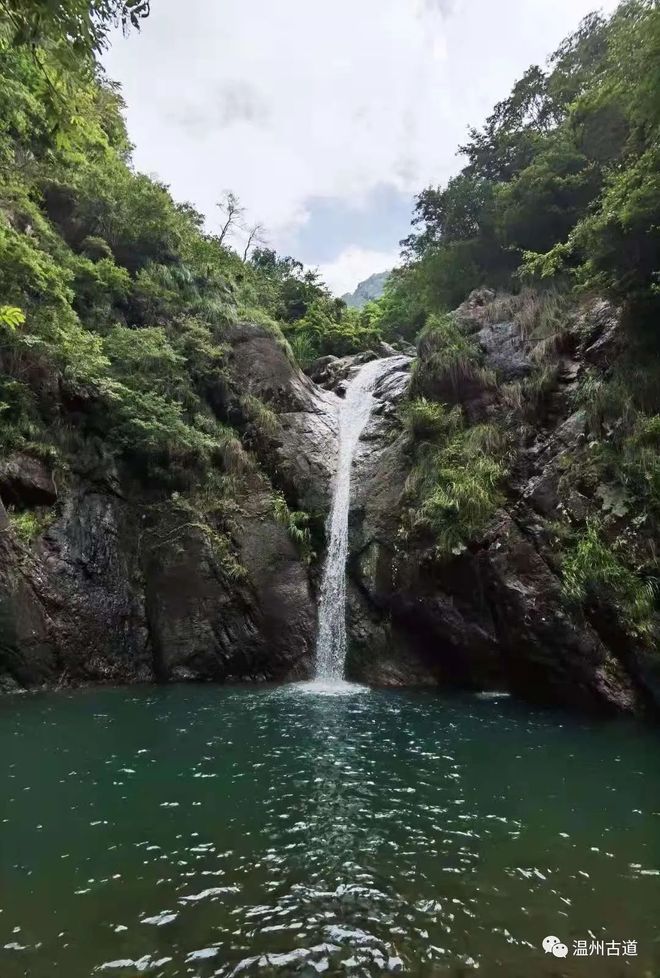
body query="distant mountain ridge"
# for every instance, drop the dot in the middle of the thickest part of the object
(372, 288)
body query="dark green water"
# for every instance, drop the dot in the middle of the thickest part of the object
(210, 831)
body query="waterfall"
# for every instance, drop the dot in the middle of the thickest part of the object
(354, 415)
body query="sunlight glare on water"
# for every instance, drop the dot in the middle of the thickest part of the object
(281, 831)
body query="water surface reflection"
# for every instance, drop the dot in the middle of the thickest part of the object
(302, 830)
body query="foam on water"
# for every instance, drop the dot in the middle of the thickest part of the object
(331, 687)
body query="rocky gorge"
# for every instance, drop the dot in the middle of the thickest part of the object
(493, 615)
(123, 586)
(109, 594)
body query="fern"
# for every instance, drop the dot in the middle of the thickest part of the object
(11, 317)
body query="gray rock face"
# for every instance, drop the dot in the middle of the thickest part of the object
(206, 626)
(504, 349)
(332, 373)
(371, 288)
(71, 606)
(302, 454)
(492, 617)
(107, 594)
(25, 482)
(603, 339)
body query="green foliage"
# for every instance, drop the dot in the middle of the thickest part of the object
(11, 317)
(296, 524)
(595, 568)
(559, 200)
(622, 411)
(30, 524)
(607, 403)
(539, 313)
(562, 182)
(448, 359)
(455, 486)
(640, 465)
(400, 313)
(115, 300)
(425, 420)
(259, 415)
(313, 321)
(302, 346)
(84, 24)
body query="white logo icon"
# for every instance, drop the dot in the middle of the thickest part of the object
(552, 945)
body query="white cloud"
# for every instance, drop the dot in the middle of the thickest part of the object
(354, 265)
(288, 100)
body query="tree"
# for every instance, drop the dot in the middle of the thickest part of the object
(230, 207)
(561, 180)
(86, 24)
(255, 236)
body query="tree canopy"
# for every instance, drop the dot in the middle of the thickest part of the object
(561, 184)
(83, 24)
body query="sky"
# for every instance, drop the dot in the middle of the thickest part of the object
(325, 117)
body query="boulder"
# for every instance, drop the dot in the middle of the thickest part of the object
(474, 312)
(504, 350)
(300, 456)
(26, 482)
(603, 339)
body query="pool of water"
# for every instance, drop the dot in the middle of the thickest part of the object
(283, 831)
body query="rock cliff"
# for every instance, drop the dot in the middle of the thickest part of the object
(493, 615)
(126, 585)
(372, 288)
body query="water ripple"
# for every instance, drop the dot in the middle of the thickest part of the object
(301, 831)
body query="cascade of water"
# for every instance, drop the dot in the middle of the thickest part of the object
(354, 415)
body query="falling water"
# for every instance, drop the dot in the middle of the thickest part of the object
(355, 412)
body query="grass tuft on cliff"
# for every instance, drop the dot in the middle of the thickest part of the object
(595, 569)
(455, 486)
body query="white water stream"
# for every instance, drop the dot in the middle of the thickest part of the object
(354, 415)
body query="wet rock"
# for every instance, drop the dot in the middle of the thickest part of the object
(542, 492)
(333, 373)
(543, 643)
(206, 624)
(493, 616)
(94, 600)
(301, 455)
(577, 506)
(71, 606)
(101, 597)
(603, 336)
(28, 655)
(26, 482)
(320, 371)
(380, 653)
